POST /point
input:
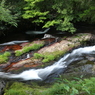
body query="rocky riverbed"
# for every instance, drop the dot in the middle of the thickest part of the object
(33, 58)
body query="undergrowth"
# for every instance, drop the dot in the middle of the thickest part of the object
(62, 87)
(18, 88)
(74, 87)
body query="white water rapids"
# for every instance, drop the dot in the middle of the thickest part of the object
(44, 73)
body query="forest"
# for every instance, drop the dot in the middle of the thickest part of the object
(63, 15)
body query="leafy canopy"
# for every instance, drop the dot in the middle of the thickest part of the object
(59, 13)
(6, 15)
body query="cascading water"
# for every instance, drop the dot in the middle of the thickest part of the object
(58, 67)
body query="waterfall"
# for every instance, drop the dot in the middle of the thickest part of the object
(43, 73)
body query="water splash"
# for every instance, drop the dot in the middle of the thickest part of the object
(13, 42)
(44, 73)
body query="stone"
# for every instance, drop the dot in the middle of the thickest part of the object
(2, 86)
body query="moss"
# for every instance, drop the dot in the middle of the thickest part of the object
(4, 57)
(18, 53)
(37, 55)
(28, 48)
(47, 57)
(7, 54)
(18, 88)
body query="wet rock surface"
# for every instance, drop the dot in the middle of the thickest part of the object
(17, 64)
(50, 46)
(2, 86)
(83, 68)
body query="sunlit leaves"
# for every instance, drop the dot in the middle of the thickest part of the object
(60, 13)
(50, 23)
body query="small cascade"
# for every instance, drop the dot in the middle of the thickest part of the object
(55, 69)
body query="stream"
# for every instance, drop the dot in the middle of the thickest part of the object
(56, 69)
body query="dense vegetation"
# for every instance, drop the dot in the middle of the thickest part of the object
(63, 87)
(62, 14)
(9, 14)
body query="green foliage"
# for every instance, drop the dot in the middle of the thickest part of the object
(16, 7)
(51, 13)
(87, 14)
(66, 87)
(18, 88)
(10, 14)
(65, 16)
(60, 13)
(33, 10)
(4, 57)
(62, 87)
(28, 48)
(6, 16)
